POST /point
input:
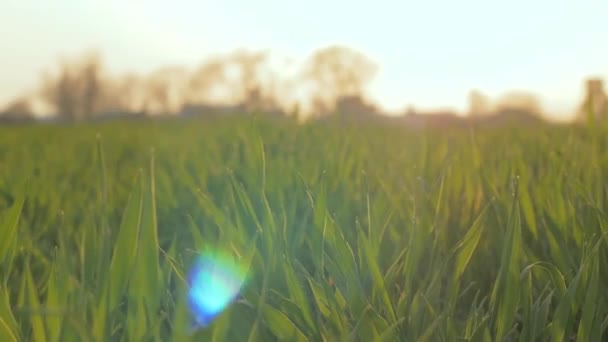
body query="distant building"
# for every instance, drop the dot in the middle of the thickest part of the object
(355, 106)
(211, 110)
(595, 102)
(351, 108)
(430, 119)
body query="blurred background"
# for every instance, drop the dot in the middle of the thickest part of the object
(76, 60)
(357, 231)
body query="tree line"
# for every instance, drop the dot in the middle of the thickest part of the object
(81, 88)
(332, 79)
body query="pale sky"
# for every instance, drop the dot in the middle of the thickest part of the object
(430, 53)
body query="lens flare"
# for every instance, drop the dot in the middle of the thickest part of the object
(214, 283)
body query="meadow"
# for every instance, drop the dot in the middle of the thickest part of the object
(350, 232)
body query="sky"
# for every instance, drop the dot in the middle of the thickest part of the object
(430, 53)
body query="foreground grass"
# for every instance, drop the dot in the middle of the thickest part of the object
(350, 233)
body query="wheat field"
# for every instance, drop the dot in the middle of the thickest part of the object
(350, 232)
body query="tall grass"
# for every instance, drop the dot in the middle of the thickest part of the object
(349, 232)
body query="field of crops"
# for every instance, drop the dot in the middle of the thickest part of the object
(348, 232)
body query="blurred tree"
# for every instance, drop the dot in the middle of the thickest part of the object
(255, 77)
(91, 84)
(410, 110)
(166, 90)
(241, 77)
(79, 89)
(76, 90)
(60, 92)
(519, 101)
(334, 72)
(17, 111)
(206, 79)
(479, 103)
(124, 95)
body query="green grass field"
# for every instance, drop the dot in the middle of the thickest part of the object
(350, 233)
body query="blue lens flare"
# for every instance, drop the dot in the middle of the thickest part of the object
(214, 283)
